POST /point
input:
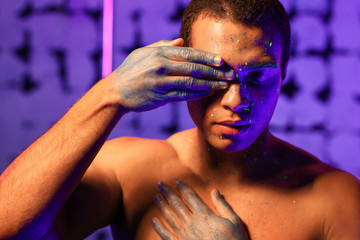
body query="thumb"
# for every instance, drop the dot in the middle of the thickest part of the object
(174, 43)
(223, 207)
(177, 42)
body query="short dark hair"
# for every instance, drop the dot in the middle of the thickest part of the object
(258, 13)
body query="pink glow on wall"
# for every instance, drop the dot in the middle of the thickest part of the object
(107, 37)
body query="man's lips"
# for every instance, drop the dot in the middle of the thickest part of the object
(232, 127)
(233, 123)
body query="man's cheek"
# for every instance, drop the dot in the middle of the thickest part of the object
(266, 94)
(263, 104)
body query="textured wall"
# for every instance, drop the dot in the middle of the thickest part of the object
(50, 54)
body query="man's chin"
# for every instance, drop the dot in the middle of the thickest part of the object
(230, 144)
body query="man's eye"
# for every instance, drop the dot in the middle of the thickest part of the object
(255, 77)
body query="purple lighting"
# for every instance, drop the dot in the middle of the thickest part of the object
(107, 37)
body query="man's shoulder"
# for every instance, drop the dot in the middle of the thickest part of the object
(325, 178)
(131, 159)
(324, 172)
(338, 194)
(180, 138)
(141, 149)
(136, 147)
(338, 184)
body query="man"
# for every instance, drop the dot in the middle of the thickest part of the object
(57, 190)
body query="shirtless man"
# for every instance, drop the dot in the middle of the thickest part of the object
(277, 190)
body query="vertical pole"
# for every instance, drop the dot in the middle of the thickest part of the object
(108, 12)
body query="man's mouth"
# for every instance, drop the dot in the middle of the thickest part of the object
(232, 128)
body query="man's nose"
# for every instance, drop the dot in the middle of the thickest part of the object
(234, 98)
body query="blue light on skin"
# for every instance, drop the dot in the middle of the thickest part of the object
(263, 88)
(256, 66)
(244, 70)
(259, 62)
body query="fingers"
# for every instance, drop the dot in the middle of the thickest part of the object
(198, 70)
(175, 202)
(191, 198)
(225, 211)
(223, 207)
(167, 213)
(173, 50)
(177, 42)
(192, 83)
(193, 55)
(161, 230)
(183, 61)
(181, 95)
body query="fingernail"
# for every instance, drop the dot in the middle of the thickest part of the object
(178, 182)
(223, 85)
(160, 185)
(157, 199)
(217, 193)
(163, 189)
(153, 222)
(230, 74)
(217, 60)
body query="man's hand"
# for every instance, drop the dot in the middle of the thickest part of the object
(166, 72)
(199, 222)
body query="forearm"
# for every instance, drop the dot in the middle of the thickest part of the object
(35, 186)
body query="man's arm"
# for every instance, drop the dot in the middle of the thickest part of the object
(340, 197)
(95, 203)
(37, 184)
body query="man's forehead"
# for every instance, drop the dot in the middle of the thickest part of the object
(223, 32)
(240, 45)
(248, 52)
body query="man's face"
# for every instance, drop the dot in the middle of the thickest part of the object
(232, 119)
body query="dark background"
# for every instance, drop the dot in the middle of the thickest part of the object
(51, 54)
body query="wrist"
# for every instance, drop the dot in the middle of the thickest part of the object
(111, 94)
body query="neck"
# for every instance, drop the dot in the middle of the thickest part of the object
(253, 164)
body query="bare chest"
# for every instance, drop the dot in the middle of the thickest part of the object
(266, 214)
